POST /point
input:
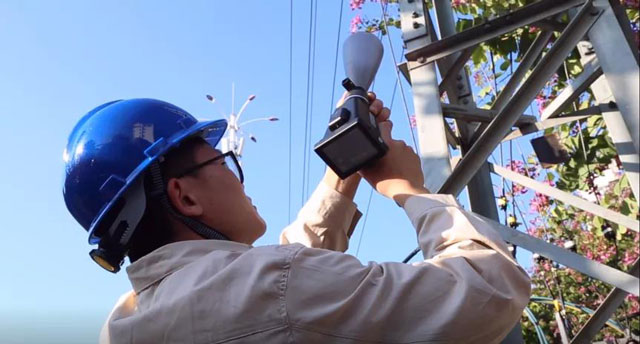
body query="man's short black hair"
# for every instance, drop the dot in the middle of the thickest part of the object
(154, 229)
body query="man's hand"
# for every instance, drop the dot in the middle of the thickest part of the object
(396, 175)
(349, 186)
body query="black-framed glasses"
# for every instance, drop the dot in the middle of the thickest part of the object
(229, 160)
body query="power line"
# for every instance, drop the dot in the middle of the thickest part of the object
(306, 122)
(366, 213)
(310, 109)
(364, 224)
(290, 98)
(335, 62)
(395, 67)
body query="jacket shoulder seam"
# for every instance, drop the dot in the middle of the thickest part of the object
(283, 288)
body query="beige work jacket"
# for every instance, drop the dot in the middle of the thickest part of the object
(468, 290)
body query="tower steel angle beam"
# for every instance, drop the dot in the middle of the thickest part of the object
(430, 122)
(507, 117)
(567, 198)
(619, 61)
(604, 312)
(493, 28)
(590, 73)
(456, 83)
(480, 188)
(589, 267)
(480, 115)
(553, 122)
(620, 120)
(532, 54)
(454, 71)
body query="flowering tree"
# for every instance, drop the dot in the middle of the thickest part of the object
(593, 171)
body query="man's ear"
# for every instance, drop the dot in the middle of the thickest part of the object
(182, 198)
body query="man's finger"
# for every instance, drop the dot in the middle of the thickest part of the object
(371, 96)
(385, 130)
(375, 107)
(384, 115)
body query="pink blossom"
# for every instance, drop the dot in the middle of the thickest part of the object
(589, 254)
(356, 4)
(629, 257)
(582, 290)
(412, 121)
(539, 203)
(575, 225)
(355, 23)
(477, 79)
(518, 166)
(635, 306)
(456, 3)
(541, 101)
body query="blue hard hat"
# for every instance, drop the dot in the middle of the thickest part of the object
(113, 144)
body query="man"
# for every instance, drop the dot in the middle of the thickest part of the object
(144, 178)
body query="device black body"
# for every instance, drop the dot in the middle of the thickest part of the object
(352, 139)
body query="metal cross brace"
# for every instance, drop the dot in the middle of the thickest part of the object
(508, 116)
(493, 28)
(567, 198)
(603, 313)
(605, 273)
(590, 73)
(563, 119)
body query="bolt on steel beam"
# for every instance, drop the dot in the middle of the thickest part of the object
(453, 72)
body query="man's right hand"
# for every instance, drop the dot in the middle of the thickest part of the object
(397, 175)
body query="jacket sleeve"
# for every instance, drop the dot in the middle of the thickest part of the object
(326, 221)
(468, 289)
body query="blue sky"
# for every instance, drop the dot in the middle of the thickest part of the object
(61, 59)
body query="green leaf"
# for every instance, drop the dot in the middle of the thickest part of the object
(617, 189)
(598, 222)
(479, 56)
(483, 92)
(463, 24)
(558, 212)
(505, 65)
(594, 121)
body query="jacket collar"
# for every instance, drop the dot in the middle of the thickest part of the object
(171, 257)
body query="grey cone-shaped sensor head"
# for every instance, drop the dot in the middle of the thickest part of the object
(362, 53)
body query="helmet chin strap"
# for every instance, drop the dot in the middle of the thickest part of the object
(158, 189)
